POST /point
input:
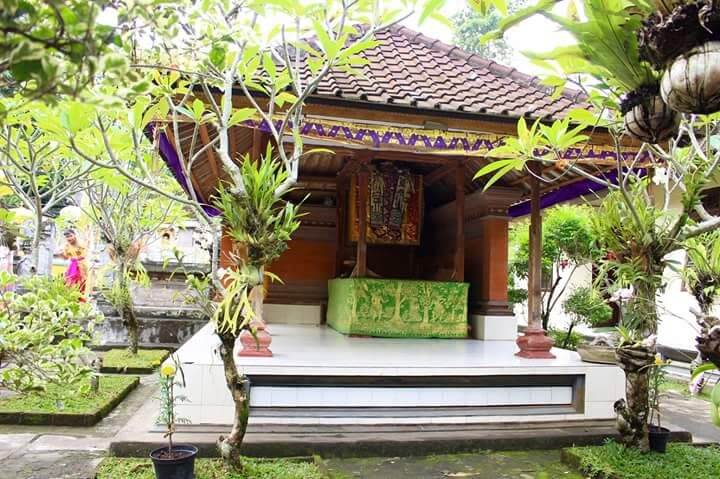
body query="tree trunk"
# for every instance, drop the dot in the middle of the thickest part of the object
(36, 240)
(127, 310)
(708, 342)
(239, 388)
(568, 334)
(133, 328)
(636, 359)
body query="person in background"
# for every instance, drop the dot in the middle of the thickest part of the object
(75, 253)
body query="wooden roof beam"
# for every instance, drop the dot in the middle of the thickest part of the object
(438, 174)
(210, 152)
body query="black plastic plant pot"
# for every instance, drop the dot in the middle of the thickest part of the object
(178, 465)
(658, 438)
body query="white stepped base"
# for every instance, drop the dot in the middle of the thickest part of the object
(465, 381)
(347, 397)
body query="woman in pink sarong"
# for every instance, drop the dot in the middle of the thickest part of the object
(76, 273)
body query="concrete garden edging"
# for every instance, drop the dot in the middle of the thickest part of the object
(67, 419)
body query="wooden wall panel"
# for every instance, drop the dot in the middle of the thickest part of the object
(305, 269)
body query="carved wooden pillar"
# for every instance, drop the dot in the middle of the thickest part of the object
(535, 344)
(363, 185)
(459, 274)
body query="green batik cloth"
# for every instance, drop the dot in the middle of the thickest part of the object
(397, 308)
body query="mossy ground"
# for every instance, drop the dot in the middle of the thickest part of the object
(613, 461)
(479, 465)
(119, 359)
(113, 468)
(58, 399)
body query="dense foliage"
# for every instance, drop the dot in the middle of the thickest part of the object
(50, 48)
(585, 305)
(568, 243)
(469, 28)
(44, 334)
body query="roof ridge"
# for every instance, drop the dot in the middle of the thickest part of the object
(477, 60)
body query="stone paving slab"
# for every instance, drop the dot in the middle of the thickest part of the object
(691, 414)
(54, 442)
(9, 443)
(477, 465)
(52, 465)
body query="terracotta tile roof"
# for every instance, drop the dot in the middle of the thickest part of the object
(411, 69)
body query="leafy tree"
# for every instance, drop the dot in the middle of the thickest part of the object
(586, 306)
(637, 229)
(127, 216)
(44, 333)
(469, 27)
(126, 213)
(216, 50)
(42, 173)
(50, 48)
(567, 243)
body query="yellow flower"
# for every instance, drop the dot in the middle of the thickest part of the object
(658, 360)
(167, 370)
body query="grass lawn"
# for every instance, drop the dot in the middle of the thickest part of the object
(681, 387)
(114, 467)
(79, 409)
(119, 360)
(613, 461)
(529, 464)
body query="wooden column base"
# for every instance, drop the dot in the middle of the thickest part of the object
(534, 344)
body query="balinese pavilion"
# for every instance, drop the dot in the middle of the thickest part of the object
(394, 305)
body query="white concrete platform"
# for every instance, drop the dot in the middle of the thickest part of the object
(320, 376)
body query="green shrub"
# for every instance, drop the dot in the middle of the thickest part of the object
(44, 333)
(564, 339)
(587, 306)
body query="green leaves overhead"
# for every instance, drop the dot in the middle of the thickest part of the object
(76, 116)
(242, 114)
(606, 45)
(485, 6)
(540, 142)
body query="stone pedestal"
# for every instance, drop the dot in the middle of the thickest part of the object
(257, 345)
(534, 344)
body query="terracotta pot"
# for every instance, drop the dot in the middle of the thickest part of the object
(596, 354)
(691, 84)
(651, 121)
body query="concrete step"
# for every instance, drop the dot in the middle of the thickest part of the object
(366, 441)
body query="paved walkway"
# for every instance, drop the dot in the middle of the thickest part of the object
(691, 414)
(42, 452)
(46, 452)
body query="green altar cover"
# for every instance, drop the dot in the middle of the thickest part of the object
(395, 308)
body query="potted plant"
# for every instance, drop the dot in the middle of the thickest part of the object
(174, 461)
(658, 436)
(683, 38)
